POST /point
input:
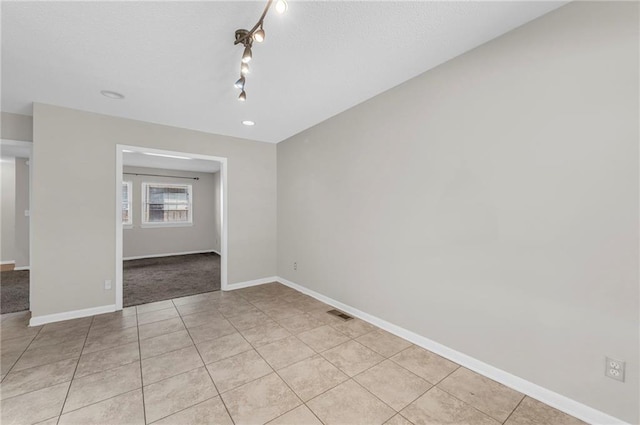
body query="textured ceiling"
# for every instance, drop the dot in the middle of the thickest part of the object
(176, 62)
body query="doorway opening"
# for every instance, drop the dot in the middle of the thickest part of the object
(171, 225)
(15, 170)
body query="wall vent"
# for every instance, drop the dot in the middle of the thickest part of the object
(338, 313)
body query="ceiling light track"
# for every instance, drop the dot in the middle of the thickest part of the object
(246, 39)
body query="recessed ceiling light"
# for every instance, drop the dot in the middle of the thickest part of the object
(112, 94)
(166, 156)
(249, 123)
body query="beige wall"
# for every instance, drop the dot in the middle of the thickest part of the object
(16, 127)
(490, 204)
(73, 248)
(21, 220)
(8, 209)
(201, 236)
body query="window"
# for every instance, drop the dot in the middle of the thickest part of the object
(166, 204)
(127, 218)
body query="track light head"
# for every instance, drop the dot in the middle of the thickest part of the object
(259, 35)
(246, 56)
(240, 83)
(242, 97)
(281, 6)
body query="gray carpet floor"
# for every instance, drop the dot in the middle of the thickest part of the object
(145, 281)
(157, 279)
(14, 291)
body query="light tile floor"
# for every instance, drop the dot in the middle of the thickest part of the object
(266, 354)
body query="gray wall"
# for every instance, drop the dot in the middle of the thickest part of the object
(15, 200)
(21, 221)
(490, 204)
(71, 258)
(8, 209)
(16, 127)
(201, 236)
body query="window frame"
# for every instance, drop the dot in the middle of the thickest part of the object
(151, 224)
(128, 224)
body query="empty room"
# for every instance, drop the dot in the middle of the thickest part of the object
(320, 212)
(171, 222)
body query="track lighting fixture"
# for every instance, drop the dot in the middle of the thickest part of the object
(247, 37)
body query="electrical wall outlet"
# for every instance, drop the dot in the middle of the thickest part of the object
(614, 369)
(295, 266)
(107, 285)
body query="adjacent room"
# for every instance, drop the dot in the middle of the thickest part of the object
(320, 212)
(171, 224)
(14, 217)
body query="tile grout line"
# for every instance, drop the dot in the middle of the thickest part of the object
(117, 344)
(263, 359)
(299, 361)
(21, 354)
(428, 389)
(304, 403)
(33, 367)
(97, 402)
(272, 368)
(407, 370)
(515, 408)
(105, 370)
(166, 352)
(186, 408)
(144, 406)
(205, 368)
(75, 370)
(352, 378)
(469, 404)
(105, 349)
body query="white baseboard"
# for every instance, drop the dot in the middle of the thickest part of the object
(173, 254)
(4, 263)
(248, 283)
(553, 399)
(22, 268)
(68, 315)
